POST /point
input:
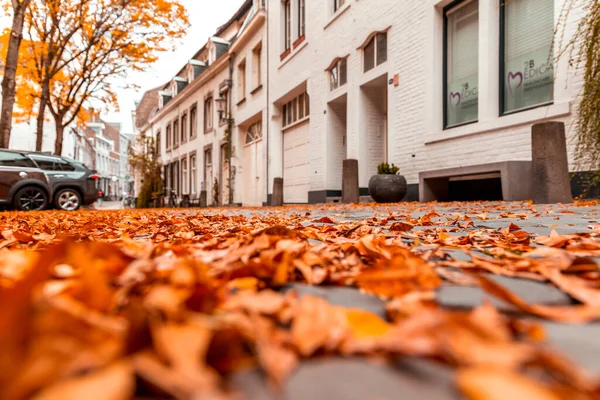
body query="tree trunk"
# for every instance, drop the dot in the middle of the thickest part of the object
(10, 72)
(39, 140)
(58, 144)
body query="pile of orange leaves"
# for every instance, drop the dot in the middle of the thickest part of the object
(169, 304)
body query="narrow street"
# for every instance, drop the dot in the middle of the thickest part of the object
(318, 293)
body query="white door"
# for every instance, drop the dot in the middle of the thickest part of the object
(224, 176)
(253, 167)
(208, 176)
(296, 164)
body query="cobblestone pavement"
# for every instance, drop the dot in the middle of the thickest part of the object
(351, 379)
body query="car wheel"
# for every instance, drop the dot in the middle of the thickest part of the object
(30, 198)
(67, 200)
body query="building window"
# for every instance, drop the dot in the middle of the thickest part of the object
(375, 52)
(526, 58)
(254, 133)
(301, 18)
(184, 128)
(176, 133)
(158, 139)
(242, 80)
(168, 136)
(337, 4)
(338, 74)
(193, 174)
(287, 25)
(177, 181)
(208, 115)
(296, 110)
(461, 53)
(184, 176)
(193, 121)
(257, 66)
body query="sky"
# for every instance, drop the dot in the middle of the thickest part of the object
(205, 17)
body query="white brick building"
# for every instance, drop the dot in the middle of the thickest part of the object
(426, 85)
(391, 107)
(221, 85)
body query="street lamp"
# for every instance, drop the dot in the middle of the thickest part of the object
(222, 108)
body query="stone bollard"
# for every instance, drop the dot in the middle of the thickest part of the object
(203, 199)
(549, 168)
(277, 198)
(350, 190)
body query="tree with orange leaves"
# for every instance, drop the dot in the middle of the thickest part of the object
(19, 7)
(80, 49)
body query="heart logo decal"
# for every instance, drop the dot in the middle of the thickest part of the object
(512, 81)
(454, 99)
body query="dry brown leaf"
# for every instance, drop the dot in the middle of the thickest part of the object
(489, 383)
(115, 382)
(317, 324)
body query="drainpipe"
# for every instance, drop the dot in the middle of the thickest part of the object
(267, 81)
(230, 127)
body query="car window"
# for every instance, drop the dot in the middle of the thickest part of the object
(64, 166)
(47, 164)
(8, 159)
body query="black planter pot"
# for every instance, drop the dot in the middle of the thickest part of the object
(387, 188)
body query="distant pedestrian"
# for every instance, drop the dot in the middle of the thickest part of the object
(100, 198)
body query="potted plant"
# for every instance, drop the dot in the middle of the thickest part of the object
(387, 186)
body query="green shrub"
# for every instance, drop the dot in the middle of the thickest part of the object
(387, 169)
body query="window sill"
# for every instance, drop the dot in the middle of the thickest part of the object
(505, 122)
(256, 89)
(293, 125)
(211, 130)
(337, 14)
(298, 41)
(242, 101)
(292, 55)
(285, 54)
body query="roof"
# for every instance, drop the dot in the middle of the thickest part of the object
(246, 6)
(148, 103)
(242, 10)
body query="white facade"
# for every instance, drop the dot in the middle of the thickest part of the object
(192, 131)
(395, 111)
(311, 83)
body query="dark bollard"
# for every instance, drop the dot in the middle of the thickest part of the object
(277, 198)
(203, 199)
(550, 168)
(350, 190)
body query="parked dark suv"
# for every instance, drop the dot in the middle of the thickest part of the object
(73, 184)
(22, 184)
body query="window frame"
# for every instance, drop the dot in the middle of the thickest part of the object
(208, 112)
(193, 173)
(176, 132)
(338, 4)
(183, 128)
(301, 18)
(374, 39)
(502, 68)
(193, 121)
(338, 65)
(456, 3)
(257, 66)
(242, 84)
(168, 134)
(291, 109)
(287, 25)
(184, 175)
